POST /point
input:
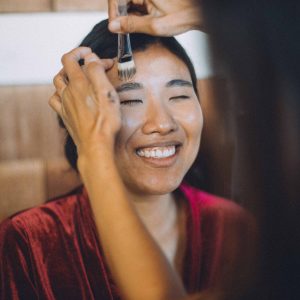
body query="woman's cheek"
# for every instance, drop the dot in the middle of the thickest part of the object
(130, 122)
(131, 117)
(191, 116)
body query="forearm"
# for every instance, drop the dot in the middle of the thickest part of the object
(138, 266)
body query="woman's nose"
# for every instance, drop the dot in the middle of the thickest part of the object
(159, 119)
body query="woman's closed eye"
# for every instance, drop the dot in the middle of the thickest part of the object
(131, 102)
(179, 97)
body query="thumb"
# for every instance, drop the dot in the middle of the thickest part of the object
(107, 63)
(133, 23)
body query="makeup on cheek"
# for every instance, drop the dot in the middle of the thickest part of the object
(185, 107)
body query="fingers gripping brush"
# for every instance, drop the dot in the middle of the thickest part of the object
(126, 66)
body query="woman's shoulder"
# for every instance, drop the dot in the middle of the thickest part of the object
(213, 205)
(40, 218)
(205, 198)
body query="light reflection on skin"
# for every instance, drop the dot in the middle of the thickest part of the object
(159, 106)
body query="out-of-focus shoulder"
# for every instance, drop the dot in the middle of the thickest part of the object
(11, 233)
(31, 218)
(213, 204)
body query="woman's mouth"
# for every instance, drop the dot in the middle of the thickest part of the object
(157, 152)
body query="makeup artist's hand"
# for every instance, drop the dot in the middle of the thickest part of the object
(86, 100)
(159, 17)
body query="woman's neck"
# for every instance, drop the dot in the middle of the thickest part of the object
(160, 214)
(155, 209)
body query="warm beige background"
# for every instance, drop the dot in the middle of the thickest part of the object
(51, 5)
(32, 166)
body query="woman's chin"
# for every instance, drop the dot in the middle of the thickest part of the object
(156, 187)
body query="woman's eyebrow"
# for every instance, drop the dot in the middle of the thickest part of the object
(129, 86)
(179, 82)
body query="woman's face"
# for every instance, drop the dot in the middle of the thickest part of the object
(161, 123)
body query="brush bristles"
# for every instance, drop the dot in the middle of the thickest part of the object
(126, 70)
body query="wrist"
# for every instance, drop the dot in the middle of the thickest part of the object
(97, 170)
(90, 158)
(95, 149)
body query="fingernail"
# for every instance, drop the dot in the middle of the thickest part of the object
(115, 25)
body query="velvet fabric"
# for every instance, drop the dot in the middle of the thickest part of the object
(53, 251)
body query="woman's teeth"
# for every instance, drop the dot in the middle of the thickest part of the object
(157, 152)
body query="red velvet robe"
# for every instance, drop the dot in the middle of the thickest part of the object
(53, 251)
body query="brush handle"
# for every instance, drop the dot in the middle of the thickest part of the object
(124, 46)
(122, 7)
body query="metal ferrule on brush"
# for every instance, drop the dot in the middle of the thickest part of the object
(126, 66)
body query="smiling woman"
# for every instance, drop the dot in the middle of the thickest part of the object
(55, 252)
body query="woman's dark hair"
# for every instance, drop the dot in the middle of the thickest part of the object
(105, 45)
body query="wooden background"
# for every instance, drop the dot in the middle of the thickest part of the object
(21, 6)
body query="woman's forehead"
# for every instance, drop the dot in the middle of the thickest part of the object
(156, 64)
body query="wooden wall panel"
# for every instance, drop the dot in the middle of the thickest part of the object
(10, 6)
(22, 185)
(27, 183)
(25, 5)
(69, 5)
(60, 177)
(28, 126)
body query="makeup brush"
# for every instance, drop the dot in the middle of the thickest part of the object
(126, 66)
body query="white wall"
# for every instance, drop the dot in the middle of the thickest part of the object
(31, 45)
